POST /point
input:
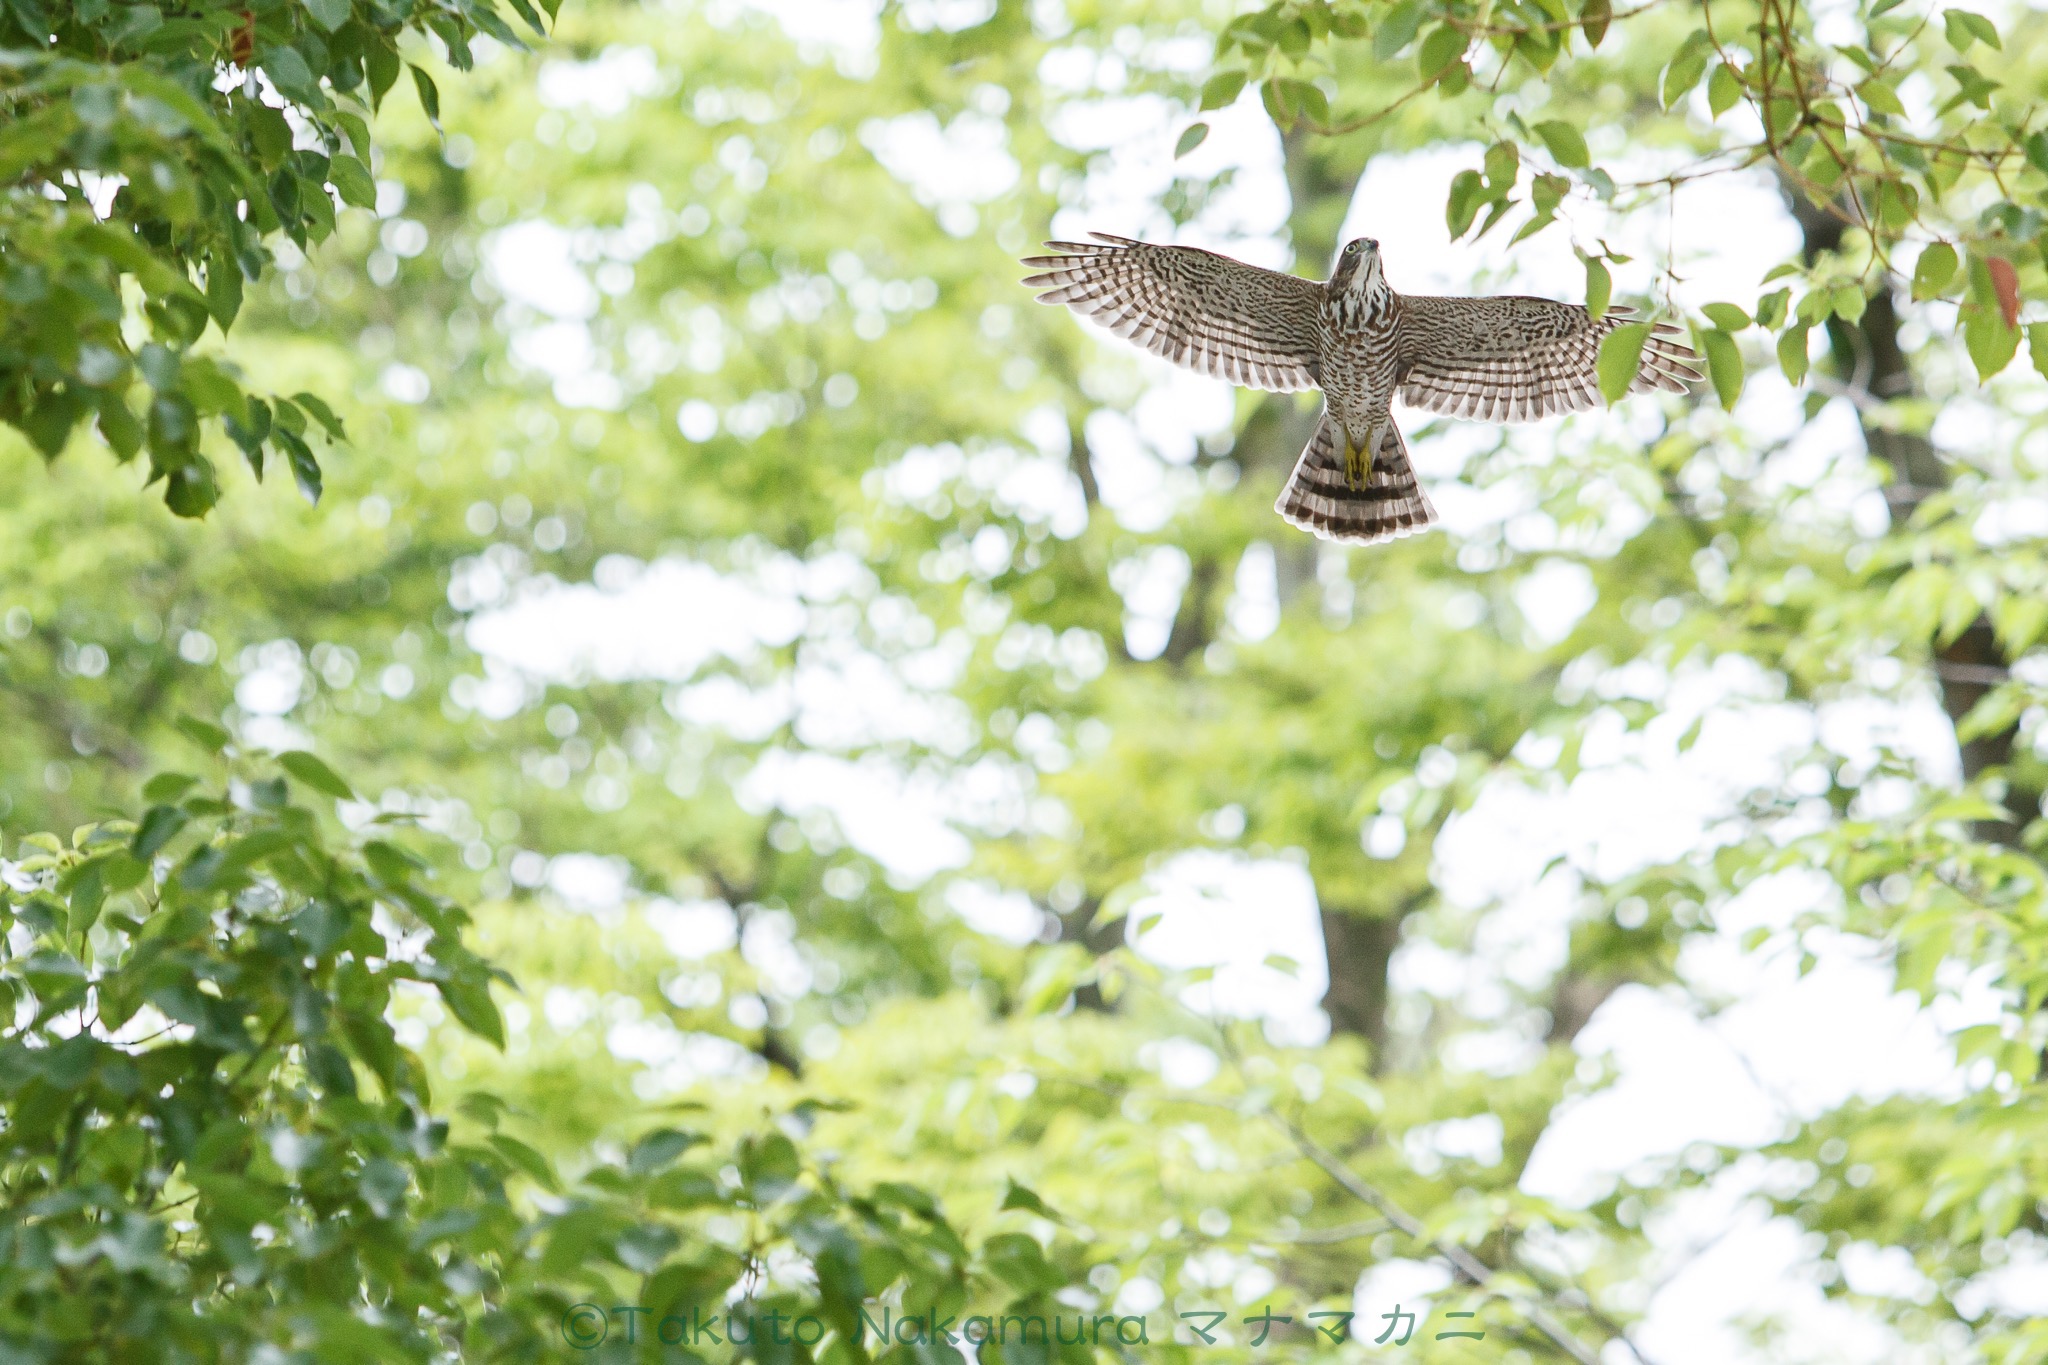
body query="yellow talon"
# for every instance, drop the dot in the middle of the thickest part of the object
(1357, 464)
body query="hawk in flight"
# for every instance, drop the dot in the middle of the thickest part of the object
(1506, 359)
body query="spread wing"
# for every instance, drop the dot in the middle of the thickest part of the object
(1217, 316)
(1514, 359)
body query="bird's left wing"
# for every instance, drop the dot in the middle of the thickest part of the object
(1217, 316)
(1514, 359)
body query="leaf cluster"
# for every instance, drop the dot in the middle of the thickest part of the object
(150, 154)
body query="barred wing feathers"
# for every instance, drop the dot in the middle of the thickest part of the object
(1216, 316)
(1515, 359)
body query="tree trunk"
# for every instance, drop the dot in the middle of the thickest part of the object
(1871, 365)
(1357, 949)
(1194, 625)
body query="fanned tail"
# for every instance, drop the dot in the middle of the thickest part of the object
(1320, 498)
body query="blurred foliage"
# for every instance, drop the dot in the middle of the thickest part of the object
(217, 1148)
(150, 151)
(671, 326)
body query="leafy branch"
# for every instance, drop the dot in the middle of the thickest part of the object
(152, 154)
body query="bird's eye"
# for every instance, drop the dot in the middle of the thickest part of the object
(1351, 249)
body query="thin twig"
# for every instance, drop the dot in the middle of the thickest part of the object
(1470, 1267)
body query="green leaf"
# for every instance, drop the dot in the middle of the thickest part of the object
(2037, 347)
(1462, 205)
(1020, 1262)
(1880, 98)
(1792, 357)
(769, 1165)
(160, 824)
(1933, 271)
(1020, 1197)
(1724, 365)
(189, 489)
(1190, 139)
(1726, 316)
(1397, 30)
(660, 1148)
(152, 84)
(270, 133)
(290, 417)
(2019, 620)
(212, 390)
(126, 250)
(30, 140)
(305, 469)
(1964, 28)
(322, 414)
(88, 893)
(1503, 167)
(1991, 343)
(50, 421)
(223, 289)
(468, 994)
(1687, 65)
(288, 71)
(526, 12)
(329, 14)
(429, 93)
(1272, 96)
(206, 735)
(1621, 357)
(1594, 18)
(1222, 89)
(358, 132)
(1542, 219)
(1724, 88)
(1304, 99)
(118, 425)
(167, 787)
(1599, 287)
(1898, 203)
(1566, 145)
(1976, 88)
(1770, 308)
(1443, 46)
(352, 181)
(392, 864)
(532, 1163)
(315, 774)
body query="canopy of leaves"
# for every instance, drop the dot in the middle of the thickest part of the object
(150, 154)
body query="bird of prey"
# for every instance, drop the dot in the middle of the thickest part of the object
(1505, 359)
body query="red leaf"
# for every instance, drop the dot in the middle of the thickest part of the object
(2006, 282)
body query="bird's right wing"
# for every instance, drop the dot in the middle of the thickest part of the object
(1216, 316)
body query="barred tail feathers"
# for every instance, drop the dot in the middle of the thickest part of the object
(1319, 497)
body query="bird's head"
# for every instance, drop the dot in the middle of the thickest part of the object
(1358, 268)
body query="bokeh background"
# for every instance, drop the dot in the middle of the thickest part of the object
(847, 690)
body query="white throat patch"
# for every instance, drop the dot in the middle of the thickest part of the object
(1366, 296)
